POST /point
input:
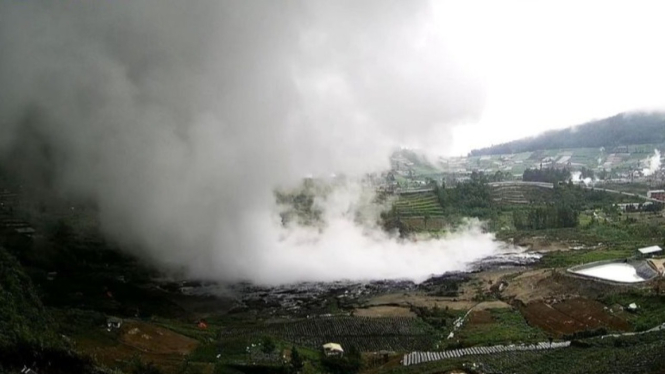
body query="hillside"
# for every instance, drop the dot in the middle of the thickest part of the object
(622, 129)
(27, 330)
(23, 318)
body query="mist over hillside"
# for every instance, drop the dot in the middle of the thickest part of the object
(621, 129)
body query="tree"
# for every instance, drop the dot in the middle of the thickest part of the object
(355, 358)
(548, 175)
(139, 367)
(267, 345)
(296, 360)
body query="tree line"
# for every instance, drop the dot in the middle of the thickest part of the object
(547, 175)
(548, 217)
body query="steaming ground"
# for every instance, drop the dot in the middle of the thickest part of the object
(178, 120)
(346, 251)
(653, 164)
(351, 246)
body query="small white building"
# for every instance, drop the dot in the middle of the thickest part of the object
(333, 349)
(650, 251)
(656, 194)
(113, 322)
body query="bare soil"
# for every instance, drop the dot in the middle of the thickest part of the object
(546, 317)
(485, 281)
(165, 348)
(592, 313)
(478, 317)
(153, 339)
(535, 285)
(422, 300)
(555, 285)
(541, 244)
(384, 311)
(571, 316)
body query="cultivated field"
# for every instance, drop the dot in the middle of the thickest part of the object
(418, 205)
(571, 316)
(497, 326)
(366, 333)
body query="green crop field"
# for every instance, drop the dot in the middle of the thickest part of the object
(366, 333)
(421, 204)
(506, 325)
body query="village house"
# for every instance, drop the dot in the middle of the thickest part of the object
(656, 194)
(113, 322)
(650, 251)
(333, 349)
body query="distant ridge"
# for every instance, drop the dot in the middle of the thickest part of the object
(622, 129)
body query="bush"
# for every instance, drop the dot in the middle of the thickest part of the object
(296, 361)
(268, 345)
(586, 334)
(139, 367)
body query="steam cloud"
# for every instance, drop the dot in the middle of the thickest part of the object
(576, 177)
(180, 118)
(654, 164)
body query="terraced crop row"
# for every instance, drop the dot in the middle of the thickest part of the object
(420, 214)
(370, 343)
(419, 202)
(427, 207)
(419, 205)
(415, 358)
(368, 334)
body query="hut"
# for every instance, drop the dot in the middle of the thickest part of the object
(333, 349)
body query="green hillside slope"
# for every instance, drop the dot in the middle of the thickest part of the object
(622, 129)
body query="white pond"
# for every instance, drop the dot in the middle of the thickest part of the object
(618, 272)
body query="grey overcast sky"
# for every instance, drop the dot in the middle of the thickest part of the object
(554, 64)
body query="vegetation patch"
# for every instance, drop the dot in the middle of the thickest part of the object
(498, 326)
(650, 310)
(570, 258)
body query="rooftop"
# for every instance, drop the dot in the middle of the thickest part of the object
(652, 249)
(333, 347)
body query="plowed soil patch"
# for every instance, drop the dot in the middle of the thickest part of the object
(592, 314)
(384, 311)
(571, 316)
(549, 319)
(153, 339)
(478, 317)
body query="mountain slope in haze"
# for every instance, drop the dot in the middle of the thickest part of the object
(622, 129)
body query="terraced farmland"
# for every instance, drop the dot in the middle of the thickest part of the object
(366, 333)
(419, 205)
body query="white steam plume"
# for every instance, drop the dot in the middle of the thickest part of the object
(653, 164)
(576, 177)
(180, 118)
